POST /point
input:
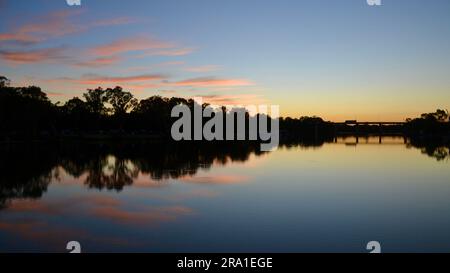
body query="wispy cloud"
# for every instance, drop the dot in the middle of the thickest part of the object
(141, 68)
(211, 82)
(218, 179)
(237, 99)
(168, 92)
(99, 62)
(134, 83)
(55, 24)
(171, 52)
(170, 63)
(144, 46)
(202, 68)
(52, 25)
(151, 81)
(144, 216)
(104, 207)
(96, 80)
(47, 55)
(125, 45)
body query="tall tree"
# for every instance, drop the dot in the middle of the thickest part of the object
(33, 92)
(75, 105)
(121, 101)
(95, 100)
(4, 81)
(439, 115)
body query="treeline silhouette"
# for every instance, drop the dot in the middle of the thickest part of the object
(27, 113)
(429, 124)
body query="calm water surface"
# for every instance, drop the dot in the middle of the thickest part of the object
(332, 197)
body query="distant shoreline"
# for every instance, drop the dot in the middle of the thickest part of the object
(155, 138)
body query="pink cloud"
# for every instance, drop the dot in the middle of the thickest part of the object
(133, 83)
(172, 52)
(99, 62)
(35, 207)
(101, 207)
(210, 81)
(142, 87)
(145, 216)
(146, 46)
(170, 63)
(19, 37)
(52, 25)
(108, 54)
(152, 66)
(130, 44)
(152, 81)
(43, 232)
(55, 24)
(33, 56)
(203, 68)
(237, 99)
(62, 23)
(168, 92)
(218, 179)
(129, 79)
(56, 94)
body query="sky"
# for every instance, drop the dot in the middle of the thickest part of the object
(335, 59)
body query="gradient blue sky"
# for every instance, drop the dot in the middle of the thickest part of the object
(336, 59)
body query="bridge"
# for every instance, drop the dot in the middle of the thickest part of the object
(366, 140)
(356, 124)
(379, 123)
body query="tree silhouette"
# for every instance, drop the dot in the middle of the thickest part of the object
(76, 105)
(95, 100)
(439, 115)
(4, 81)
(25, 111)
(121, 101)
(32, 92)
(429, 124)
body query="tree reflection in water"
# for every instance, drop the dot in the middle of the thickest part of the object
(435, 150)
(27, 170)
